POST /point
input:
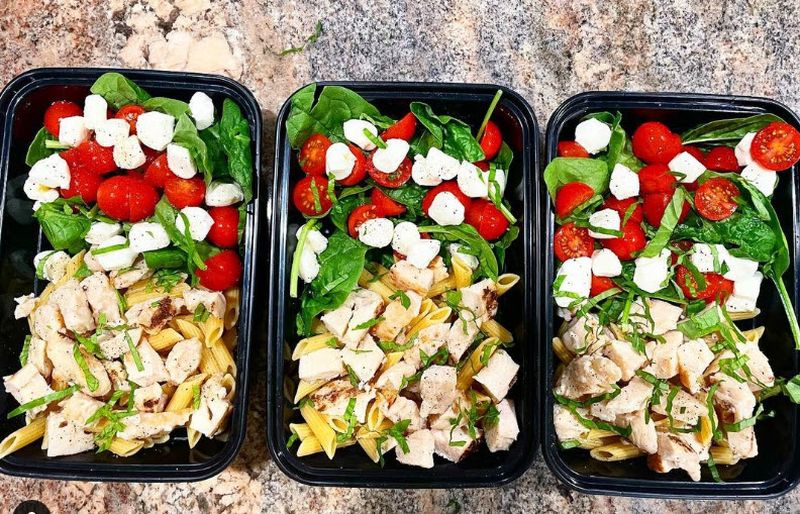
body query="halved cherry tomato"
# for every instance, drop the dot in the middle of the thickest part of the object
(655, 204)
(622, 206)
(58, 110)
(776, 146)
(655, 143)
(483, 165)
(359, 168)
(487, 219)
(600, 285)
(127, 198)
(450, 186)
(359, 215)
(158, 172)
(715, 200)
(84, 183)
(633, 240)
(306, 201)
(571, 242)
(90, 156)
(656, 178)
(570, 196)
(386, 206)
(225, 230)
(150, 155)
(223, 271)
(391, 180)
(130, 113)
(312, 154)
(491, 140)
(571, 149)
(694, 152)
(721, 158)
(716, 287)
(682, 245)
(404, 128)
(185, 192)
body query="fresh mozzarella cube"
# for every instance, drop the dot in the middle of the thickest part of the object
(39, 192)
(740, 304)
(739, 267)
(128, 154)
(406, 235)
(468, 259)
(748, 287)
(500, 435)
(111, 132)
(421, 445)
(624, 182)
(314, 240)
(377, 232)
(180, 161)
(53, 264)
(100, 231)
(576, 281)
(607, 219)
(115, 259)
(496, 182)
(742, 149)
(155, 129)
(688, 166)
(354, 132)
(202, 110)
(200, 222)
(763, 179)
(446, 209)
(387, 160)
(325, 364)
(423, 174)
(593, 135)
(221, 194)
(423, 252)
(651, 273)
(442, 164)
(72, 130)
(472, 181)
(498, 375)
(52, 172)
(95, 110)
(147, 236)
(605, 263)
(708, 258)
(339, 161)
(309, 265)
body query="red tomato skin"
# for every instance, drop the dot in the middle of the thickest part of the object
(776, 146)
(185, 192)
(385, 205)
(571, 149)
(600, 285)
(491, 140)
(222, 272)
(390, 180)
(359, 215)
(632, 241)
(654, 143)
(656, 178)
(143, 200)
(84, 183)
(570, 196)
(130, 113)
(482, 165)
(451, 186)
(571, 241)
(158, 172)
(695, 152)
(721, 158)
(225, 230)
(359, 168)
(487, 219)
(126, 198)
(90, 156)
(717, 286)
(655, 205)
(404, 128)
(303, 198)
(622, 206)
(312, 154)
(58, 110)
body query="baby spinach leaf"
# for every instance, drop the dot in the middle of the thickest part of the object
(341, 210)
(728, 131)
(64, 229)
(743, 232)
(475, 244)
(118, 90)
(37, 150)
(216, 155)
(410, 195)
(186, 135)
(504, 157)
(619, 147)
(504, 243)
(167, 106)
(562, 170)
(165, 258)
(452, 136)
(234, 136)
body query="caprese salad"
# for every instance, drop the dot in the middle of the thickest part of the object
(663, 241)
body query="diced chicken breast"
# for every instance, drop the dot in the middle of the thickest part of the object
(428, 340)
(393, 377)
(743, 443)
(153, 370)
(406, 276)
(66, 437)
(584, 334)
(659, 318)
(678, 451)
(117, 374)
(366, 307)
(625, 356)
(74, 306)
(183, 360)
(502, 434)
(334, 397)
(664, 356)
(566, 424)
(437, 388)
(454, 452)
(154, 315)
(460, 336)
(150, 399)
(693, 358)
(27, 385)
(25, 306)
(439, 269)
(643, 433)
(396, 316)
(632, 398)
(37, 355)
(213, 301)
(214, 408)
(733, 399)
(66, 369)
(685, 408)
(481, 299)
(323, 364)
(403, 408)
(588, 375)
(102, 298)
(336, 320)
(498, 375)
(114, 344)
(152, 424)
(759, 366)
(47, 322)
(365, 359)
(125, 278)
(79, 407)
(421, 446)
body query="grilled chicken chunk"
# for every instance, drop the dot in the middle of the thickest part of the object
(365, 359)
(678, 451)
(37, 355)
(733, 399)
(147, 425)
(428, 340)
(183, 360)
(393, 376)
(60, 351)
(117, 343)
(150, 399)
(421, 446)
(588, 375)
(213, 301)
(47, 322)
(624, 356)
(566, 424)
(74, 306)
(693, 358)
(447, 442)
(25, 306)
(743, 443)
(154, 315)
(403, 408)
(366, 307)
(123, 279)
(502, 434)
(632, 398)
(333, 398)
(102, 298)
(658, 318)
(498, 375)
(460, 336)
(664, 356)
(685, 408)
(643, 432)
(323, 364)
(65, 433)
(480, 299)
(405, 276)
(438, 389)
(210, 416)
(26, 385)
(153, 369)
(396, 317)
(584, 334)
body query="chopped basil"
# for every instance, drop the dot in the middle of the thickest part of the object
(91, 380)
(369, 323)
(332, 343)
(405, 301)
(44, 400)
(195, 396)
(111, 248)
(201, 313)
(569, 444)
(354, 380)
(26, 347)
(351, 419)
(391, 346)
(292, 439)
(380, 143)
(137, 359)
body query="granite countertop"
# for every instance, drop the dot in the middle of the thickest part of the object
(547, 50)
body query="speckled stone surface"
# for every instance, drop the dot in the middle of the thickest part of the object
(547, 50)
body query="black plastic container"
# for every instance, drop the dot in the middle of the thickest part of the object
(776, 469)
(351, 467)
(22, 106)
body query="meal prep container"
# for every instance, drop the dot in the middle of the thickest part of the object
(518, 309)
(22, 106)
(776, 469)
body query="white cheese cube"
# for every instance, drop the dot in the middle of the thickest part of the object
(423, 252)
(354, 132)
(577, 281)
(468, 259)
(54, 266)
(95, 111)
(651, 273)
(498, 375)
(446, 209)
(100, 231)
(155, 129)
(472, 181)
(420, 449)
(739, 267)
(116, 259)
(604, 219)
(309, 265)
(72, 130)
(111, 132)
(221, 194)
(202, 110)
(200, 222)
(406, 235)
(763, 179)
(708, 258)
(387, 160)
(52, 171)
(445, 166)
(180, 161)
(742, 149)
(128, 153)
(39, 192)
(748, 287)
(365, 360)
(502, 434)
(593, 135)
(339, 161)
(146, 236)
(605, 263)
(624, 182)
(740, 304)
(687, 166)
(323, 364)
(377, 232)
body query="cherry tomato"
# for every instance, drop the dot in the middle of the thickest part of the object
(487, 219)
(633, 240)
(130, 113)
(682, 245)
(483, 165)
(225, 230)
(158, 172)
(126, 198)
(721, 158)
(716, 287)
(571, 242)
(359, 168)
(385, 205)
(622, 206)
(715, 200)
(90, 156)
(450, 186)
(655, 204)
(84, 183)
(312, 154)
(570, 196)
(391, 180)
(776, 146)
(491, 140)
(150, 155)
(404, 128)
(58, 110)
(223, 271)
(359, 215)
(694, 152)
(656, 178)
(654, 143)
(571, 149)
(306, 201)
(185, 192)
(600, 285)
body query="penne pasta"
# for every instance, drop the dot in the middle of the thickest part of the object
(232, 306)
(723, 455)
(494, 329)
(155, 293)
(184, 394)
(474, 363)
(165, 340)
(505, 282)
(223, 358)
(124, 447)
(319, 425)
(189, 329)
(313, 343)
(212, 330)
(617, 451)
(302, 430)
(441, 287)
(193, 437)
(22, 437)
(438, 315)
(305, 388)
(462, 274)
(561, 351)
